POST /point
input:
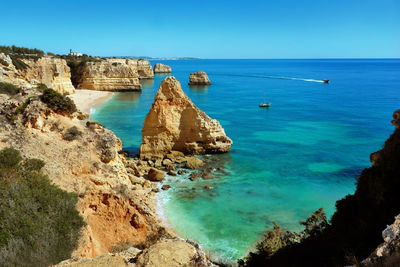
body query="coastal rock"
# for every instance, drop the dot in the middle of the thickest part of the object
(390, 247)
(396, 118)
(155, 175)
(145, 71)
(175, 123)
(53, 72)
(193, 163)
(171, 253)
(199, 78)
(108, 75)
(162, 68)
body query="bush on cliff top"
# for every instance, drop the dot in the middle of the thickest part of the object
(39, 224)
(356, 227)
(57, 101)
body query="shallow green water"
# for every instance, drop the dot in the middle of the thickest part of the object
(301, 154)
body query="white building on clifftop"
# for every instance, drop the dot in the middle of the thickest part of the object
(77, 54)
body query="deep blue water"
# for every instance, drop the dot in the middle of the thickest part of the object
(303, 153)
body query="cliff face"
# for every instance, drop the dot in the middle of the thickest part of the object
(115, 204)
(162, 68)
(108, 75)
(175, 123)
(53, 72)
(113, 74)
(199, 78)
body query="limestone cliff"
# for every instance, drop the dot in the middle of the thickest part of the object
(115, 204)
(175, 123)
(162, 68)
(144, 68)
(199, 78)
(107, 75)
(53, 72)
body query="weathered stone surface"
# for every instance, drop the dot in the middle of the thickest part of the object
(390, 247)
(162, 68)
(175, 123)
(171, 253)
(199, 78)
(108, 75)
(155, 175)
(54, 72)
(193, 163)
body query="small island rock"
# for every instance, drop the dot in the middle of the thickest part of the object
(162, 68)
(199, 78)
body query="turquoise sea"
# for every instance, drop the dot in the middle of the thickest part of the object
(302, 153)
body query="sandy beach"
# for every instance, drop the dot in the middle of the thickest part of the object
(86, 99)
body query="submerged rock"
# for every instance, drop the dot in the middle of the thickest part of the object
(199, 78)
(162, 68)
(175, 123)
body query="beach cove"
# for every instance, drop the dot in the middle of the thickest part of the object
(301, 154)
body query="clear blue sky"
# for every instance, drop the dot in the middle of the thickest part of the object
(207, 28)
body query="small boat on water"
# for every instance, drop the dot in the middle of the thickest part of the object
(325, 80)
(264, 105)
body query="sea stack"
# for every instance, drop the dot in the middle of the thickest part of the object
(175, 123)
(199, 78)
(162, 68)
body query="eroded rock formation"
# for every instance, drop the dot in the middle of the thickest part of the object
(199, 78)
(107, 75)
(162, 68)
(175, 123)
(53, 72)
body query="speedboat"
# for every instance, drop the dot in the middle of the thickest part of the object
(325, 80)
(264, 105)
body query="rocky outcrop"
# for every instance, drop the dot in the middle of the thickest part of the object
(162, 68)
(165, 253)
(107, 75)
(145, 71)
(113, 74)
(54, 72)
(175, 123)
(199, 78)
(388, 251)
(116, 205)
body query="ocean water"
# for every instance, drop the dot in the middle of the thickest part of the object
(302, 153)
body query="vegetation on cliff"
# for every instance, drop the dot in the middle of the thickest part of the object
(355, 229)
(39, 222)
(8, 88)
(57, 101)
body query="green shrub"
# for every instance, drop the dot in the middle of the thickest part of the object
(41, 86)
(57, 101)
(21, 108)
(39, 224)
(8, 88)
(19, 64)
(33, 164)
(9, 158)
(71, 134)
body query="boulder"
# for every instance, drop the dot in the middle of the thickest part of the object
(162, 68)
(155, 175)
(174, 123)
(193, 163)
(199, 78)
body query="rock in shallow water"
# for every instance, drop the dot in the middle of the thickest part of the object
(199, 78)
(175, 123)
